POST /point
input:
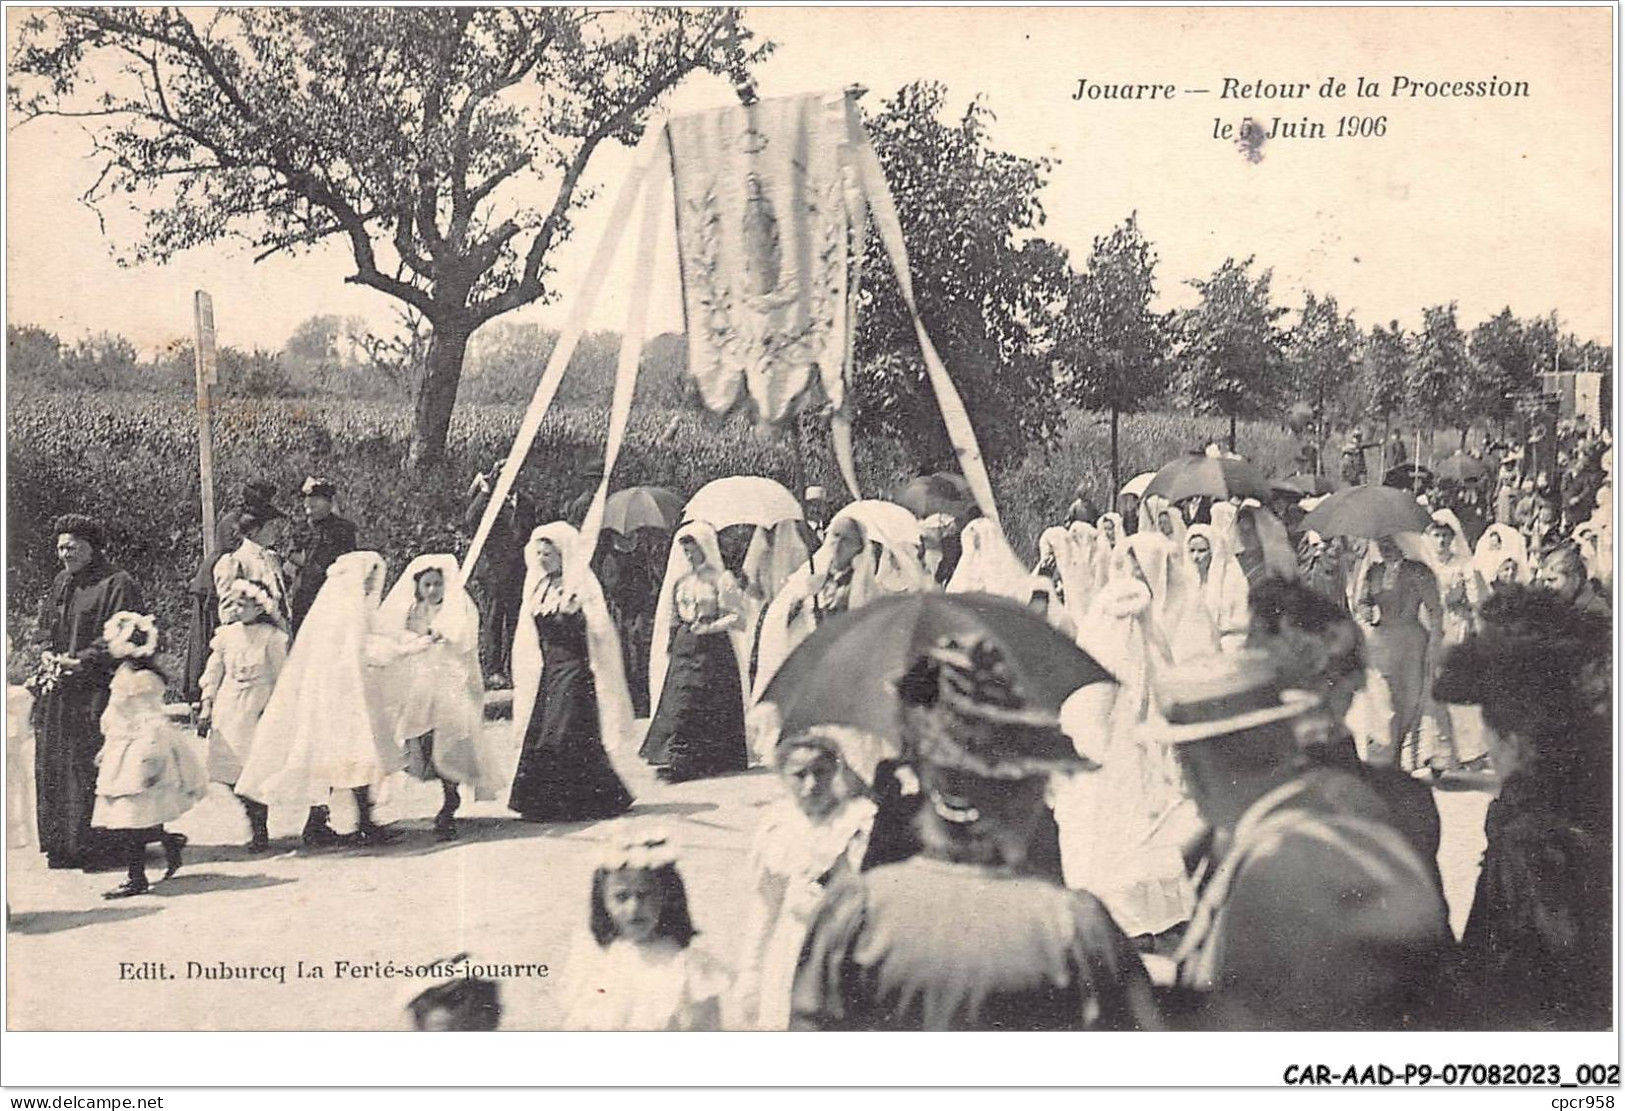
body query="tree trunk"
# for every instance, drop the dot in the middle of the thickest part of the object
(1232, 447)
(437, 393)
(1111, 495)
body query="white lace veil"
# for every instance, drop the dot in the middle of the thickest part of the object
(987, 565)
(580, 588)
(677, 566)
(1499, 544)
(326, 689)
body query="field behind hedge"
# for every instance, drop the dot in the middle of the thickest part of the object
(130, 460)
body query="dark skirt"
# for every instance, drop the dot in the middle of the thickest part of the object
(699, 727)
(67, 725)
(564, 774)
(636, 631)
(205, 619)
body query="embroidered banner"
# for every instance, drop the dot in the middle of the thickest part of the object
(762, 236)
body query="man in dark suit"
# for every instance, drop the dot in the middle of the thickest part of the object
(1313, 912)
(325, 537)
(500, 570)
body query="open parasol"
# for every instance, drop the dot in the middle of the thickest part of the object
(886, 521)
(637, 507)
(1407, 476)
(1369, 511)
(938, 493)
(843, 673)
(742, 500)
(1308, 485)
(1207, 476)
(1135, 487)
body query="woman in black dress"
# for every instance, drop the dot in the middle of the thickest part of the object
(698, 728)
(72, 690)
(570, 695)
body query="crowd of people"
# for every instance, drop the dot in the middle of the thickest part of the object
(1233, 807)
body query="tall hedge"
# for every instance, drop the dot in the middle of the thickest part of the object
(130, 460)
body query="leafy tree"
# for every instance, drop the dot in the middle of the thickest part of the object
(1231, 348)
(1322, 353)
(991, 299)
(103, 361)
(322, 356)
(1440, 371)
(408, 133)
(400, 357)
(1503, 364)
(1118, 348)
(32, 354)
(1384, 369)
(1544, 334)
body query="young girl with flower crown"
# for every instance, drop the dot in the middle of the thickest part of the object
(638, 969)
(148, 775)
(245, 657)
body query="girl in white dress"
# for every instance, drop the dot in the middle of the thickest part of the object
(325, 734)
(147, 774)
(637, 968)
(807, 839)
(245, 657)
(435, 694)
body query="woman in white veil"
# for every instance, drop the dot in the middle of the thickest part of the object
(1221, 583)
(435, 696)
(1109, 533)
(1120, 826)
(775, 554)
(1065, 558)
(1159, 515)
(1462, 591)
(696, 673)
(325, 728)
(858, 562)
(571, 708)
(1180, 628)
(988, 565)
(1260, 543)
(1501, 557)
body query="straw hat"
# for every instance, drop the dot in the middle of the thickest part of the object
(1222, 696)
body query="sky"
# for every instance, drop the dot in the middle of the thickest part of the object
(1488, 202)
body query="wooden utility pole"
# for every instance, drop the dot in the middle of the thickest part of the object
(208, 374)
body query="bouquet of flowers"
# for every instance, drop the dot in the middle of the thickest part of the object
(48, 676)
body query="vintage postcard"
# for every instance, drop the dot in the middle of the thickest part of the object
(815, 519)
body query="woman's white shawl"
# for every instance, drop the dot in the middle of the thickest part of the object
(741, 636)
(579, 589)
